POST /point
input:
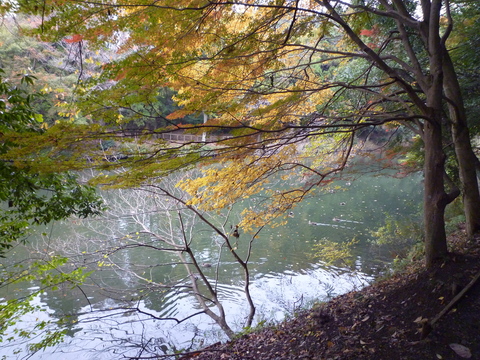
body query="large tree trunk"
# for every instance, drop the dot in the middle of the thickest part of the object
(435, 198)
(465, 156)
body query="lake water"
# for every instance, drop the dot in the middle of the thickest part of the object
(284, 275)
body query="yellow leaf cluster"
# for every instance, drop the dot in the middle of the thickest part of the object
(233, 180)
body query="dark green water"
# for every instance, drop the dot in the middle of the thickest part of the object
(285, 276)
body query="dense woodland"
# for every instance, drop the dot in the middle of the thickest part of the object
(289, 89)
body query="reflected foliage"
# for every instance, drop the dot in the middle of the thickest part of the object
(46, 273)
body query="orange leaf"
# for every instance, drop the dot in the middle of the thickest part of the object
(74, 39)
(366, 32)
(121, 75)
(177, 114)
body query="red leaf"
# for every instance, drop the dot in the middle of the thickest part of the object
(366, 32)
(74, 39)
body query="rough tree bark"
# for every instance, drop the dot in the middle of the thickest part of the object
(435, 197)
(463, 149)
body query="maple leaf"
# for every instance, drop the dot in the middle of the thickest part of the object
(366, 32)
(74, 39)
(256, 68)
(179, 114)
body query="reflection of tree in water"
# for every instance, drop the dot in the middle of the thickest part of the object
(65, 304)
(139, 278)
(149, 251)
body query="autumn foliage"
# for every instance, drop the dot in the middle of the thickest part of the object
(277, 77)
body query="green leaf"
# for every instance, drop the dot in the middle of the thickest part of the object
(38, 118)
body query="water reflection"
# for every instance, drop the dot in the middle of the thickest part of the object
(106, 332)
(284, 275)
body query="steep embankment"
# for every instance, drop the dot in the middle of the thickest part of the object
(383, 321)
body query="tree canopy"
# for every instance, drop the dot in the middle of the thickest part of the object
(28, 199)
(272, 75)
(32, 198)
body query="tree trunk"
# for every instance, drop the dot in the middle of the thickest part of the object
(435, 198)
(463, 149)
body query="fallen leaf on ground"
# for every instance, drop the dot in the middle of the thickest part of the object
(461, 350)
(419, 319)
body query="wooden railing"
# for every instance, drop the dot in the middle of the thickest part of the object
(184, 138)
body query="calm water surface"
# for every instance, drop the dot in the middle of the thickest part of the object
(285, 277)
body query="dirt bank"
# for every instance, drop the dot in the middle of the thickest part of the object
(380, 322)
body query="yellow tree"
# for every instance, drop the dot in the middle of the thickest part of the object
(275, 74)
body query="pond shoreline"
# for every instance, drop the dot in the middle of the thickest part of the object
(381, 321)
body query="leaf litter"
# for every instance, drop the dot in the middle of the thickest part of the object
(381, 321)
